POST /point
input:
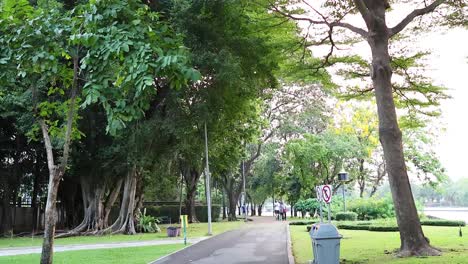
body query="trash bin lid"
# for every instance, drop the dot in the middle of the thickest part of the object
(325, 231)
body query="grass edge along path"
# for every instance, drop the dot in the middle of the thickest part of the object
(366, 247)
(133, 255)
(193, 231)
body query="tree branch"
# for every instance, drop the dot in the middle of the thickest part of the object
(361, 6)
(48, 146)
(417, 12)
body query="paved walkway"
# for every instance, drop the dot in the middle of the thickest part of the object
(264, 242)
(59, 248)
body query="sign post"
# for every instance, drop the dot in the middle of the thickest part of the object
(318, 191)
(327, 195)
(183, 220)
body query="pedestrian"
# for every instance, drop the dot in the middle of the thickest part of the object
(285, 210)
(277, 210)
(281, 209)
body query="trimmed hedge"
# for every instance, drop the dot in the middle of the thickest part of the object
(302, 223)
(384, 228)
(346, 216)
(367, 226)
(172, 211)
(352, 227)
(442, 222)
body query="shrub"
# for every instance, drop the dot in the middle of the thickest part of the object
(442, 222)
(352, 227)
(147, 223)
(346, 216)
(368, 209)
(308, 205)
(303, 223)
(383, 228)
(369, 226)
(172, 211)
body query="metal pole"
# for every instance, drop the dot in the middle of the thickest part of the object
(207, 183)
(243, 188)
(321, 213)
(329, 214)
(344, 198)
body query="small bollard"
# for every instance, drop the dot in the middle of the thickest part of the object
(325, 244)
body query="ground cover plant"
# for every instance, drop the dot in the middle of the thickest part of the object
(133, 255)
(379, 247)
(193, 230)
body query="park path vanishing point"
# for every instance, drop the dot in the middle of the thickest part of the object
(263, 241)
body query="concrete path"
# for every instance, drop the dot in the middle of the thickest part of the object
(59, 248)
(264, 242)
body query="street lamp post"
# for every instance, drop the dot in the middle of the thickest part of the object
(207, 183)
(343, 178)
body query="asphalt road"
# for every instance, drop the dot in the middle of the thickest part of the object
(258, 243)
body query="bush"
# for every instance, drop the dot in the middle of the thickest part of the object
(383, 228)
(147, 223)
(368, 209)
(308, 205)
(346, 216)
(303, 223)
(369, 226)
(352, 227)
(172, 211)
(442, 222)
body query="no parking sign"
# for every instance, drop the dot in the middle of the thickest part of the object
(324, 193)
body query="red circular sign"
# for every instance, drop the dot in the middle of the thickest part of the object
(326, 193)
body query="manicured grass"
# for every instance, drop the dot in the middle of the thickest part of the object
(194, 230)
(378, 247)
(136, 255)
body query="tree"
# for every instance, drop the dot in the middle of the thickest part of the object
(379, 36)
(58, 51)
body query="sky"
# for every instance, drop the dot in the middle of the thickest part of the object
(447, 65)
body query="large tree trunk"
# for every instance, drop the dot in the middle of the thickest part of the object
(361, 178)
(125, 222)
(191, 177)
(5, 221)
(259, 209)
(50, 217)
(232, 202)
(224, 204)
(412, 238)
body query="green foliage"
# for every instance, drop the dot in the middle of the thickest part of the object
(371, 208)
(302, 222)
(346, 216)
(442, 222)
(309, 205)
(172, 211)
(317, 159)
(148, 223)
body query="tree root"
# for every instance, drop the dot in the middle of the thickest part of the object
(424, 251)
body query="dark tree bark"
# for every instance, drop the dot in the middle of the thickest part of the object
(259, 209)
(125, 222)
(6, 221)
(361, 178)
(412, 237)
(191, 177)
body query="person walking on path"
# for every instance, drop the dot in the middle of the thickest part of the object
(277, 210)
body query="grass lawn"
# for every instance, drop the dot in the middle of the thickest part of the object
(136, 255)
(376, 247)
(194, 230)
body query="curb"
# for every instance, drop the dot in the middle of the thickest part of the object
(290, 254)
